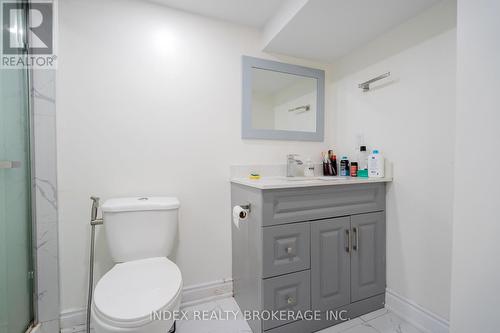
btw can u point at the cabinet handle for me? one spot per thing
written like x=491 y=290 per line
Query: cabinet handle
x=355 y=232
x=347 y=240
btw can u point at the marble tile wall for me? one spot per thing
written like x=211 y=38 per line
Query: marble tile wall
x=45 y=199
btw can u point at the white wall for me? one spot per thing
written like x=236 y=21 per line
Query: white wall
x=149 y=103
x=475 y=305
x=410 y=118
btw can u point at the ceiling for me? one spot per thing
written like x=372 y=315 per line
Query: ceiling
x=254 y=13
x=322 y=30
x=326 y=30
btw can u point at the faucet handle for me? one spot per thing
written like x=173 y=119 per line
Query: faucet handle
x=291 y=156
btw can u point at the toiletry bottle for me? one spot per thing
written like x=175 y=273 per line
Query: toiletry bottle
x=344 y=166
x=330 y=156
x=326 y=166
x=362 y=162
x=333 y=163
x=335 y=168
x=354 y=169
x=362 y=158
x=309 y=168
x=375 y=165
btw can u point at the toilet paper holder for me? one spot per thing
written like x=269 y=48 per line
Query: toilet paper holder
x=246 y=207
x=240 y=213
x=245 y=211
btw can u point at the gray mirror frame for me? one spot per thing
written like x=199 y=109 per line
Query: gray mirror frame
x=248 y=132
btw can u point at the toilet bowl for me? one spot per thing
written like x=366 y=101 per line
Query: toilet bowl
x=142 y=292
x=139 y=296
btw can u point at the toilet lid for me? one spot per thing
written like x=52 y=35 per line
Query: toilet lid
x=130 y=291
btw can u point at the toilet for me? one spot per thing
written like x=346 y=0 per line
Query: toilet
x=140 y=233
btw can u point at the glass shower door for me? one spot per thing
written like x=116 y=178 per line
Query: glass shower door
x=16 y=277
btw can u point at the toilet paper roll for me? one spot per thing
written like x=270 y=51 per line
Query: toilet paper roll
x=239 y=213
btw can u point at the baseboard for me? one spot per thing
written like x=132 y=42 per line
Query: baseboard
x=415 y=314
x=206 y=292
x=73 y=321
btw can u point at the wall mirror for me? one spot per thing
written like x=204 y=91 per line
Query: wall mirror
x=282 y=101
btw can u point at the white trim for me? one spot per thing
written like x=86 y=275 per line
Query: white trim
x=415 y=314
x=75 y=329
x=73 y=321
x=206 y=292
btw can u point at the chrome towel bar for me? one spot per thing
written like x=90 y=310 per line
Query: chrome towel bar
x=366 y=85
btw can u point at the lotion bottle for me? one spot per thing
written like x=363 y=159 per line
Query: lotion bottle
x=375 y=165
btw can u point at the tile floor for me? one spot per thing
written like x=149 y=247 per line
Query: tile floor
x=381 y=321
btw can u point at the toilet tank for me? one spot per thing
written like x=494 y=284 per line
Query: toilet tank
x=140 y=227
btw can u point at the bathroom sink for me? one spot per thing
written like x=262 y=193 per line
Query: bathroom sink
x=274 y=182
x=299 y=179
x=330 y=178
x=306 y=179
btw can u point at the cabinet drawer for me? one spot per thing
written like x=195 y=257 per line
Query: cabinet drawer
x=314 y=203
x=286 y=249
x=285 y=293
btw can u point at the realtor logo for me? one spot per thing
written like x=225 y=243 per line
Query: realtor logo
x=27 y=34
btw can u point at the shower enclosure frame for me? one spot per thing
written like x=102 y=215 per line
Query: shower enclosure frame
x=40 y=110
x=39 y=99
x=26 y=108
x=31 y=142
x=43 y=182
x=29 y=75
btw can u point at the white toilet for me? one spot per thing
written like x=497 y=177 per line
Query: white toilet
x=140 y=234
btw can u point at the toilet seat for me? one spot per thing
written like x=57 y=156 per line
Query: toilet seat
x=126 y=296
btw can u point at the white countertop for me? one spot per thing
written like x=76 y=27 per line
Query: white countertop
x=266 y=183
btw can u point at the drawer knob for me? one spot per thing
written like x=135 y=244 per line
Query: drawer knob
x=290 y=300
x=289 y=250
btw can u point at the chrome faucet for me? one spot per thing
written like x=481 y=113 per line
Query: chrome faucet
x=291 y=163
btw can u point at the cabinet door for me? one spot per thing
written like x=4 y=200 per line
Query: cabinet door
x=368 y=255
x=330 y=263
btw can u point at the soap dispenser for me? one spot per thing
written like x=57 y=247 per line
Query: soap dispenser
x=309 y=169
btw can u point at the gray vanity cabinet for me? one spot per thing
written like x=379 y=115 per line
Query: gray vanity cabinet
x=309 y=248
